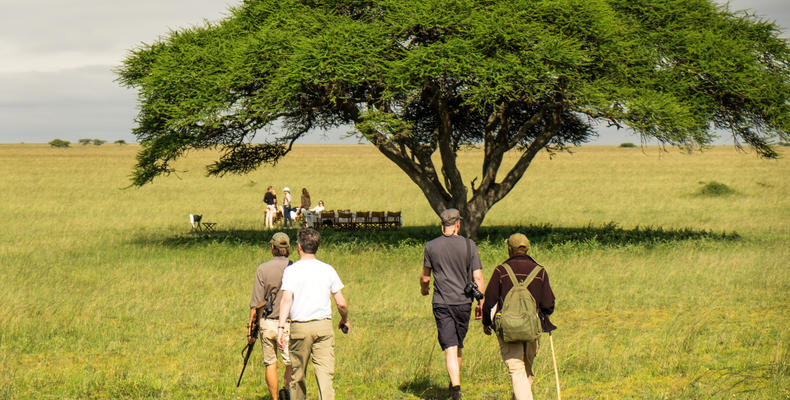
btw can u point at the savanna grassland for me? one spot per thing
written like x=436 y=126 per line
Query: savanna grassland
x=662 y=293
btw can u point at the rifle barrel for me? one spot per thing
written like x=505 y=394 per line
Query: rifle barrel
x=246 y=357
x=254 y=332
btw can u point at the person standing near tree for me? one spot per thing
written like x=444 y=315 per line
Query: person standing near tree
x=270 y=199
x=287 y=208
x=268 y=279
x=449 y=258
x=519 y=355
x=308 y=287
x=304 y=204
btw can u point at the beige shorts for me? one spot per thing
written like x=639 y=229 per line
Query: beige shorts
x=268 y=338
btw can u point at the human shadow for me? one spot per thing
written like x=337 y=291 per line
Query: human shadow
x=545 y=236
x=421 y=387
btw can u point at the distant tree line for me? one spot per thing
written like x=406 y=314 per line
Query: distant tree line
x=59 y=143
x=84 y=142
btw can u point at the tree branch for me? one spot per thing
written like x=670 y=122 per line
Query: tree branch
x=424 y=175
x=501 y=145
x=498 y=191
x=452 y=176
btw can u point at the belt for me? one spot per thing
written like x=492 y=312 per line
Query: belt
x=312 y=320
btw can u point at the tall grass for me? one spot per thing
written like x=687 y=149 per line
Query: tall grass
x=661 y=294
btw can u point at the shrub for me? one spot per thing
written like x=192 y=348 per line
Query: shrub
x=59 y=143
x=715 y=189
x=120 y=141
x=627 y=145
x=98 y=142
x=85 y=142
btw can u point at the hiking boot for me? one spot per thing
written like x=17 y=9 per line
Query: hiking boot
x=283 y=394
x=455 y=392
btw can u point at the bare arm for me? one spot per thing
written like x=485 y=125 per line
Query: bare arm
x=253 y=313
x=425 y=279
x=477 y=275
x=285 y=310
x=342 y=308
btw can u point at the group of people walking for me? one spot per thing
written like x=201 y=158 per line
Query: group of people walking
x=455 y=265
x=287 y=207
x=301 y=327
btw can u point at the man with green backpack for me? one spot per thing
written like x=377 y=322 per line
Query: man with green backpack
x=519 y=289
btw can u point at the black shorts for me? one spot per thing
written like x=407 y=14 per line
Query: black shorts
x=452 y=322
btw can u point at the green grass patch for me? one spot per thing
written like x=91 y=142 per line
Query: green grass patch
x=715 y=189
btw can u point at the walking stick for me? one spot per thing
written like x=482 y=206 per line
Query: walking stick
x=556 y=374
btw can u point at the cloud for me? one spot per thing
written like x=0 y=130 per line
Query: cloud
x=67 y=104
x=776 y=11
x=46 y=35
x=85 y=102
x=56 y=60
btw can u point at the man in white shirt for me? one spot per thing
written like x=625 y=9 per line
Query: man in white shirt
x=307 y=287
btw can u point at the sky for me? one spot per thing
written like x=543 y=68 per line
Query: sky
x=57 y=59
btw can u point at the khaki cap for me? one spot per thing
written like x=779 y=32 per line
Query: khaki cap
x=450 y=216
x=517 y=241
x=281 y=240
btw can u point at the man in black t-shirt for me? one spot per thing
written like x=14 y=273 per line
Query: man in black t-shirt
x=270 y=198
x=448 y=259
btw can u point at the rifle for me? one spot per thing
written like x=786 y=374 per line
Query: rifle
x=263 y=309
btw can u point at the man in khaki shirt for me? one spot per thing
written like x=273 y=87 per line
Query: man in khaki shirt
x=268 y=279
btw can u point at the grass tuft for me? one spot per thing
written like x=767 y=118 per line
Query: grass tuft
x=715 y=189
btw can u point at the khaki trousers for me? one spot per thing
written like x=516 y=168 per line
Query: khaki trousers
x=270 y=212
x=518 y=357
x=312 y=340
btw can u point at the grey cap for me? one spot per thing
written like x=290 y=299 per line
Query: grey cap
x=450 y=216
x=281 y=240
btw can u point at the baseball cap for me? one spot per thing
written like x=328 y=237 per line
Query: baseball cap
x=281 y=240
x=450 y=216
x=518 y=240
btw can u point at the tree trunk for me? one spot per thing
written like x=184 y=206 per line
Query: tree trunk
x=472 y=219
x=453 y=193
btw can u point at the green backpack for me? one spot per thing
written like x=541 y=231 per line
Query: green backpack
x=518 y=320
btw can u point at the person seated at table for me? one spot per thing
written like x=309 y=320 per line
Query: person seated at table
x=317 y=209
x=312 y=215
x=278 y=212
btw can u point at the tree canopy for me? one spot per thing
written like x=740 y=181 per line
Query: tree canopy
x=417 y=77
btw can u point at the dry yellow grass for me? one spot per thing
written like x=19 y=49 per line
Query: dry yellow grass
x=106 y=294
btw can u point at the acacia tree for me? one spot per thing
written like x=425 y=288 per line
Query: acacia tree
x=421 y=77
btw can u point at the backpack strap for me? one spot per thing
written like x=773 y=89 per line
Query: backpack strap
x=527 y=281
